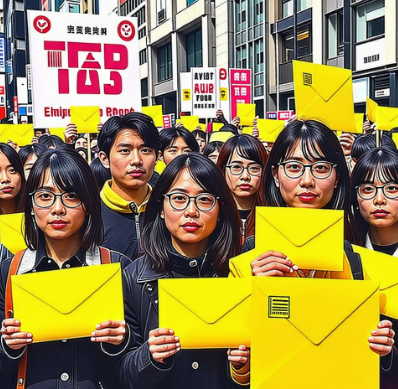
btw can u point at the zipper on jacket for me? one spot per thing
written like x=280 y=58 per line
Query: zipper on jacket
x=137 y=228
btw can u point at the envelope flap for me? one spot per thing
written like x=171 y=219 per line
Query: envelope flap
x=270 y=126
x=85 y=113
x=318 y=77
x=209 y=299
x=12 y=221
x=289 y=222
x=22 y=129
x=319 y=306
x=389 y=113
x=87 y=280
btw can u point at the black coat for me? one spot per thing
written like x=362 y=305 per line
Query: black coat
x=188 y=369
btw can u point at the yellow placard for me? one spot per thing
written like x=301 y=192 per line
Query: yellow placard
x=386 y=118
x=246 y=113
x=12 y=230
x=86 y=119
x=21 y=134
x=186 y=94
x=156 y=113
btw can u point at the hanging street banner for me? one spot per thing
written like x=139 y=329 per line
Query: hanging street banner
x=241 y=88
x=80 y=60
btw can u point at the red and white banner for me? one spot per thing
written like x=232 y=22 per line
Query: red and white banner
x=204 y=92
x=285 y=115
x=241 y=88
x=82 y=60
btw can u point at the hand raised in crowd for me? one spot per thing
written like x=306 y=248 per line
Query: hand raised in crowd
x=346 y=141
x=272 y=264
x=236 y=121
x=219 y=113
x=179 y=125
x=239 y=357
x=163 y=344
x=255 y=132
x=12 y=336
x=99 y=126
x=110 y=331
x=70 y=133
x=35 y=139
x=382 y=339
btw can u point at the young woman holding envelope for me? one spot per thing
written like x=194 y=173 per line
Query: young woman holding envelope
x=190 y=230
x=63 y=230
x=242 y=160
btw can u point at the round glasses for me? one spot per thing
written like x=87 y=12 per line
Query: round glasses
x=46 y=199
x=237 y=170
x=180 y=201
x=320 y=170
x=369 y=191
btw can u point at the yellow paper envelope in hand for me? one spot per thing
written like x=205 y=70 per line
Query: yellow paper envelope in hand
x=382 y=268
x=86 y=119
x=269 y=129
x=359 y=122
x=386 y=118
x=371 y=109
x=21 y=134
x=247 y=130
x=299 y=329
x=59 y=131
x=221 y=136
x=217 y=126
x=156 y=113
x=317 y=246
x=189 y=122
x=12 y=230
x=324 y=93
x=240 y=266
x=246 y=113
x=51 y=309
x=207 y=312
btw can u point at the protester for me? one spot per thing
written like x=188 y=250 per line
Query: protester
x=242 y=160
x=200 y=137
x=193 y=217
x=29 y=154
x=367 y=142
x=129 y=146
x=63 y=230
x=83 y=152
x=212 y=150
x=51 y=141
x=101 y=173
x=81 y=142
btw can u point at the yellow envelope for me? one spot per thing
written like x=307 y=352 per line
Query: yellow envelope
x=207 y=312
x=382 y=268
x=12 y=231
x=189 y=122
x=86 y=119
x=202 y=126
x=21 y=134
x=299 y=327
x=68 y=303
x=217 y=126
x=156 y=113
x=324 y=93
x=386 y=118
x=246 y=113
x=359 y=122
x=269 y=129
x=318 y=244
x=395 y=139
x=221 y=136
x=160 y=166
x=58 y=132
x=371 y=109
x=240 y=267
x=247 y=130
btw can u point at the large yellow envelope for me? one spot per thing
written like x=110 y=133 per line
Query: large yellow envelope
x=221 y=136
x=189 y=122
x=324 y=93
x=217 y=126
x=12 y=229
x=269 y=129
x=300 y=327
x=69 y=303
x=240 y=266
x=247 y=130
x=59 y=131
x=86 y=119
x=246 y=113
x=382 y=268
x=156 y=113
x=21 y=134
x=371 y=109
x=207 y=312
x=312 y=239
x=386 y=118
x=359 y=122
x=160 y=166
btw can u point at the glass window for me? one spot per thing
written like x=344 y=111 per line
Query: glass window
x=287 y=47
x=335 y=35
x=259 y=56
x=258 y=11
x=287 y=8
x=165 y=68
x=238 y=58
x=303 y=41
x=370 y=20
x=189 y=2
x=193 y=42
x=303 y=4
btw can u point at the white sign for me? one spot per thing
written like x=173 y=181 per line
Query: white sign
x=82 y=60
x=204 y=92
x=22 y=90
x=2 y=55
x=29 y=76
x=371 y=55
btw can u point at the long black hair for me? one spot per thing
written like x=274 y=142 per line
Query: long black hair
x=316 y=141
x=378 y=163
x=70 y=173
x=27 y=151
x=225 y=240
x=169 y=135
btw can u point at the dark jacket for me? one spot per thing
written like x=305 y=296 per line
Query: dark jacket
x=69 y=364
x=188 y=369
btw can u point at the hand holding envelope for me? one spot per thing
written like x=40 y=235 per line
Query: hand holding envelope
x=246 y=113
x=86 y=119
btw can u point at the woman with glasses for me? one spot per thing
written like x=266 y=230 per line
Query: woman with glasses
x=242 y=160
x=63 y=230
x=189 y=231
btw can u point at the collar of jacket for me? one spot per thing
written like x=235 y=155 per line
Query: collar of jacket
x=118 y=204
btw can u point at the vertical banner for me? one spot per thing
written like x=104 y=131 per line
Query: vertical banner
x=241 y=88
x=2 y=96
x=224 y=93
x=2 y=55
x=204 y=92
x=80 y=60
x=186 y=93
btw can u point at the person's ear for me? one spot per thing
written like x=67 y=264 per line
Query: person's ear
x=274 y=171
x=160 y=156
x=162 y=214
x=336 y=184
x=104 y=159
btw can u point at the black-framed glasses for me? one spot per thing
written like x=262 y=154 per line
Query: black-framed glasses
x=46 y=199
x=320 y=170
x=237 y=170
x=369 y=191
x=180 y=201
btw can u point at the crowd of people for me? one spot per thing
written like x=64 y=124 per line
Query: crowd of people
x=187 y=221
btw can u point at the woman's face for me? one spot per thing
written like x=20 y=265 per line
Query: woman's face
x=176 y=148
x=81 y=142
x=190 y=226
x=380 y=211
x=27 y=167
x=305 y=191
x=201 y=143
x=214 y=156
x=243 y=185
x=10 y=180
x=57 y=221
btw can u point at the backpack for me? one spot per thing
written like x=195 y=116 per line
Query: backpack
x=355 y=261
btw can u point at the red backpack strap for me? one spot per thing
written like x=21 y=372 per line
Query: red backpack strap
x=105 y=255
